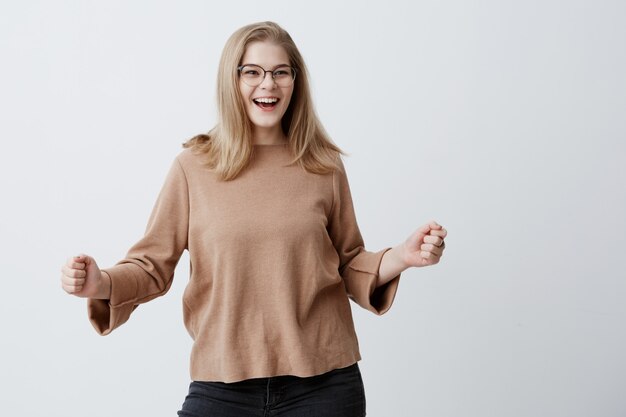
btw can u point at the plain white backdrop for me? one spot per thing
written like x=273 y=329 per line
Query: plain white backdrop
x=502 y=120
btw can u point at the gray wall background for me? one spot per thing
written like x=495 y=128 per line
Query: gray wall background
x=503 y=121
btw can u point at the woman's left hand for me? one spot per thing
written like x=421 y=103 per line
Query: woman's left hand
x=426 y=245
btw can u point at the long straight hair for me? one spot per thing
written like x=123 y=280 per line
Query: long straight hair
x=227 y=147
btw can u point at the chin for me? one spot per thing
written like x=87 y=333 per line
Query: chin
x=266 y=123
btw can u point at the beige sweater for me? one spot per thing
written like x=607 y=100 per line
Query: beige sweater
x=275 y=256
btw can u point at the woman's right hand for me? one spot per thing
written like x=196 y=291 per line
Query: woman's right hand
x=80 y=276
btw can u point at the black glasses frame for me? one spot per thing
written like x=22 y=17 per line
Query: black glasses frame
x=293 y=78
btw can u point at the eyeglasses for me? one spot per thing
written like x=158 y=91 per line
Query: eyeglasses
x=253 y=75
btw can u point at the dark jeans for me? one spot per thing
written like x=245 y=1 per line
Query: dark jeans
x=338 y=393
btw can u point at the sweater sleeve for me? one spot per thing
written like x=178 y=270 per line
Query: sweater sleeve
x=357 y=266
x=147 y=270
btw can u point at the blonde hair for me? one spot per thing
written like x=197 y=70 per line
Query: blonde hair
x=228 y=146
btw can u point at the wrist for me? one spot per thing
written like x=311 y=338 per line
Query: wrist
x=403 y=256
x=392 y=264
x=105 y=286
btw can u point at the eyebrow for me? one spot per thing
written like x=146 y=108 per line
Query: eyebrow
x=277 y=66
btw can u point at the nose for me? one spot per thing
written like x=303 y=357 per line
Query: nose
x=268 y=84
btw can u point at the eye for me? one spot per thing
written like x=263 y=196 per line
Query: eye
x=282 y=72
x=251 y=72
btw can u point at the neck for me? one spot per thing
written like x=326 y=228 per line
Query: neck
x=268 y=135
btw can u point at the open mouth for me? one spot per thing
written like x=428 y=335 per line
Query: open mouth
x=266 y=103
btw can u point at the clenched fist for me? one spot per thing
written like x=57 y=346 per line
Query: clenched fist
x=80 y=276
x=426 y=245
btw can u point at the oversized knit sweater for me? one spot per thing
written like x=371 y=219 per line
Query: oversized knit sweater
x=275 y=256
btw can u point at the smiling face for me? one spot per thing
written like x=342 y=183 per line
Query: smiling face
x=265 y=117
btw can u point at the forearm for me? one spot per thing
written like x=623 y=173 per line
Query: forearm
x=392 y=264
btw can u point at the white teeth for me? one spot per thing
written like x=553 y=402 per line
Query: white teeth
x=266 y=100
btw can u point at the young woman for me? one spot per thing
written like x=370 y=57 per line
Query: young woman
x=263 y=206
